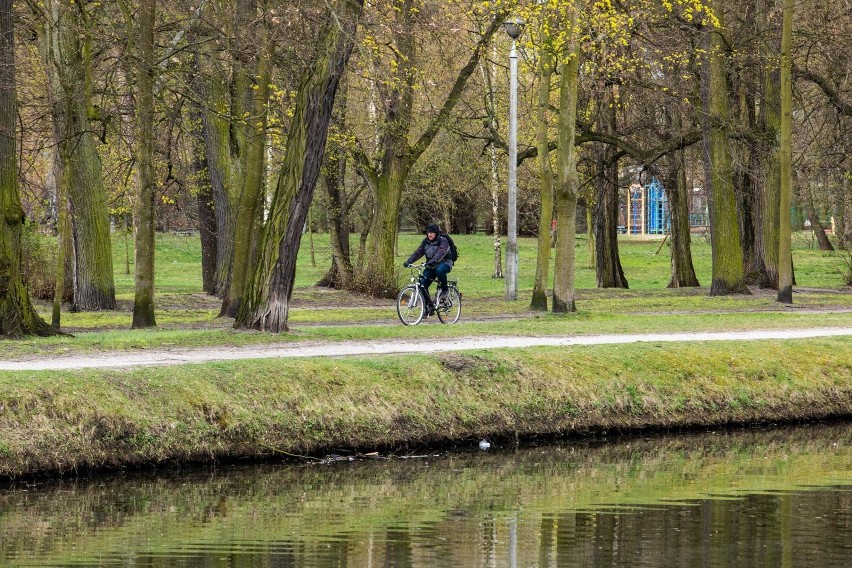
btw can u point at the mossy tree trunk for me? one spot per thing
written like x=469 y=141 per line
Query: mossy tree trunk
x=568 y=181
x=255 y=87
x=17 y=316
x=545 y=174
x=68 y=63
x=266 y=303
x=785 y=259
x=146 y=209
x=727 y=273
x=223 y=162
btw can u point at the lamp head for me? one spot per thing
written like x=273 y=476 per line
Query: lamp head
x=514 y=27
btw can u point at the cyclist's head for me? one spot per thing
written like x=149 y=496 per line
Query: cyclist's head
x=433 y=229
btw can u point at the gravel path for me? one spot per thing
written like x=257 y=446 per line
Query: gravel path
x=340 y=349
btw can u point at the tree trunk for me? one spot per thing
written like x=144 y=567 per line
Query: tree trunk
x=494 y=170
x=223 y=184
x=768 y=191
x=608 y=270
x=251 y=196
x=206 y=221
x=682 y=270
x=727 y=254
x=17 y=316
x=545 y=174
x=201 y=175
x=341 y=272
x=267 y=300
x=568 y=181
x=94 y=288
x=63 y=241
x=143 y=303
x=333 y=176
x=785 y=258
x=816 y=225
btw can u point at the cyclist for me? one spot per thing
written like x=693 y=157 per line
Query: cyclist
x=436 y=248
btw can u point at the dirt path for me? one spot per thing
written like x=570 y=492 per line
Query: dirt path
x=348 y=348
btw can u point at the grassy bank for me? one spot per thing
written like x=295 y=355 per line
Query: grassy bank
x=52 y=422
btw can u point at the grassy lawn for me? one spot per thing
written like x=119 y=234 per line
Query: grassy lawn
x=187 y=317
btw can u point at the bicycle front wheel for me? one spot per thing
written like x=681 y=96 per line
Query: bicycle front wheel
x=409 y=306
x=450 y=312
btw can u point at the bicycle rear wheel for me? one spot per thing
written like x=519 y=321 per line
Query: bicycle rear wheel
x=450 y=312
x=409 y=306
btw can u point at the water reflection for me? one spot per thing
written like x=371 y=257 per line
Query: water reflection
x=753 y=498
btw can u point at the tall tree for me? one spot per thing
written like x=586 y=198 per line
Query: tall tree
x=143 y=303
x=254 y=81
x=785 y=259
x=728 y=277
x=266 y=304
x=682 y=271
x=568 y=182
x=396 y=155
x=17 y=316
x=545 y=174
x=339 y=202
x=608 y=270
x=768 y=186
x=68 y=58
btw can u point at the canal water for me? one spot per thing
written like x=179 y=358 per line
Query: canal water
x=759 y=497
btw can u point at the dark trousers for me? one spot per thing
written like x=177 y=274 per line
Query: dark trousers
x=440 y=272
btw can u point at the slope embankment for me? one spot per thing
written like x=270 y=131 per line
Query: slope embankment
x=78 y=419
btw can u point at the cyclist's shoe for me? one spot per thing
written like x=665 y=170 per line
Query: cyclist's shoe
x=444 y=298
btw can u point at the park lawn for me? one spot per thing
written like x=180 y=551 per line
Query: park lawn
x=178 y=264
x=187 y=317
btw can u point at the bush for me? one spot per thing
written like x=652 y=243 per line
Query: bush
x=38 y=263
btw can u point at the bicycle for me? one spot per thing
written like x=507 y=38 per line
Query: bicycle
x=413 y=303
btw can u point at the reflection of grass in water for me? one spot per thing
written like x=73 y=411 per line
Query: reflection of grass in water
x=312 y=504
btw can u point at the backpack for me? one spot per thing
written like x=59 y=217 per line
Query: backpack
x=454 y=252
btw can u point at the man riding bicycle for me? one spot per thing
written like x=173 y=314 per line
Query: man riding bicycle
x=436 y=248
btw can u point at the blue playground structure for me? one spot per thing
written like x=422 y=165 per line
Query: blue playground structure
x=647 y=209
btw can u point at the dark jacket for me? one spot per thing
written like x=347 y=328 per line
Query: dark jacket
x=436 y=251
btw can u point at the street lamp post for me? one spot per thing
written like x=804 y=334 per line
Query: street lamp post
x=513 y=28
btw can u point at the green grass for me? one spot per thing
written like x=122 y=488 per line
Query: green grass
x=187 y=317
x=93 y=418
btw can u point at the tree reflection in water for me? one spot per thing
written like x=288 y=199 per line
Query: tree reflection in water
x=776 y=497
